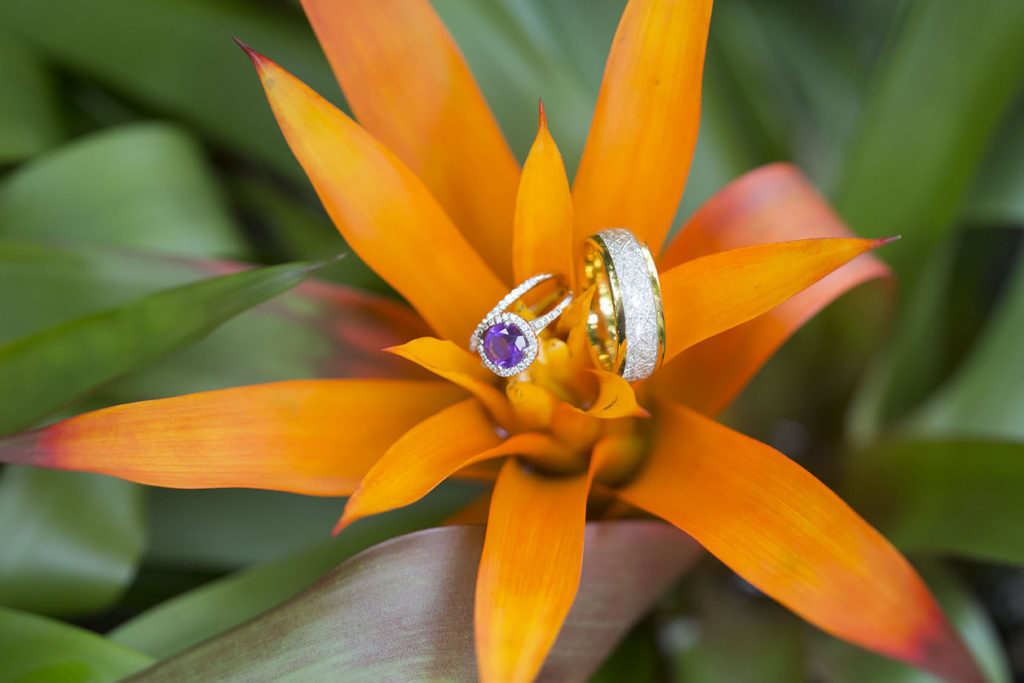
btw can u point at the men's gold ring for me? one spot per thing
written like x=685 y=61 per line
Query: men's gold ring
x=625 y=323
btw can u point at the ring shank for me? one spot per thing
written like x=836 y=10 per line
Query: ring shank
x=625 y=323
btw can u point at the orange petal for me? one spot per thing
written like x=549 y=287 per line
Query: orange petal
x=432 y=451
x=384 y=212
x=615 y=398
x=462 y=367
x=771 y=204
x=785 y=532
x=542 y=230
x=529 y=571
x=408 y=85
x=641 y=139
x=317 y=437
x=712 y=294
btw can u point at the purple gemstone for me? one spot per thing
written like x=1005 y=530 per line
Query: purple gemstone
x=504 y=345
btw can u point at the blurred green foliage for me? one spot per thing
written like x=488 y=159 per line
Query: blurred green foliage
x=134 y=140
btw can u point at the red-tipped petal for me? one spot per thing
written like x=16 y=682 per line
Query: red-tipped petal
x=771 y=204
x=383 y=210
x=709 y=295
x=785 y=532
x=409 y=86
x=317 y=437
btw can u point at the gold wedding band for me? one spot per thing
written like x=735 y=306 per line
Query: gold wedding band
x=625 y=324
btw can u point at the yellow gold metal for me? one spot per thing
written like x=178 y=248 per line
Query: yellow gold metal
x=606 y=320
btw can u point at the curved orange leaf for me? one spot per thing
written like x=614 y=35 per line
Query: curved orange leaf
x=409 y=86
x=771 y=204
x=432 y=451
x=455 y=364
x=641 y=139
x=382 y=209
x=529 y=570
x=785 y=532
x=542 y=229
x=316 y=437
x=712 y=294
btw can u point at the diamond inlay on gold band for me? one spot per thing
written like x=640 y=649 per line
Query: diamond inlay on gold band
x=625 y=323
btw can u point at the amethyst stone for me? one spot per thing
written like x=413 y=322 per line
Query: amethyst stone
x=504 y=345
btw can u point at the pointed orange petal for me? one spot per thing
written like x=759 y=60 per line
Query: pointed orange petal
x=529 y=571
x=455 y=364
x=711 y=294
x=317 y=437
x=542 y=230
x=432 y=451
x=615 y=398
x=770 y=204
x=785 y=532
x=384 y=212
x=641 y=139
x=409 y=86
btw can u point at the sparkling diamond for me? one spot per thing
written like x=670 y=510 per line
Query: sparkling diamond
x=505 y=345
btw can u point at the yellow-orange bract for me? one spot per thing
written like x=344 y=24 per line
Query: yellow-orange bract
x=425 y=189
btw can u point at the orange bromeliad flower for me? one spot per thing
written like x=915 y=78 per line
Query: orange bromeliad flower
x=426 y=191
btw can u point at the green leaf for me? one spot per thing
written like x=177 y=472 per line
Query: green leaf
x=71 y=541
x=833 y=661
x=228 y=529
x=732 y=635
x=29 y=117
x=314 y=330
x=43 y=371
x=142 y=185
x=517 y=53
x=959 y=498
x=403 y=611
x=983 y=400
x=177 y=57
x=939 y=96
x=998 y=197
x=204 y=612
x=943 y=323
x=37 y=649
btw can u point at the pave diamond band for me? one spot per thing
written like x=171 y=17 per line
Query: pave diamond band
x=625 y=323
x=507 y=342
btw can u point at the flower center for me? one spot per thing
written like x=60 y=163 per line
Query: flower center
x=504 y=345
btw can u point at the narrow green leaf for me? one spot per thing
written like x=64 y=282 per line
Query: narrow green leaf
x=983 y=400
x=29 y=116
x=43 y=371
x=69 y=541
x=141 y=185
x=833 y=661
x=940 y=95
x=998 y=196
x=177 y=56
x=204 y=612
x=314 y=330
x=961 y=498
x=37 y=649
x=403 y=611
